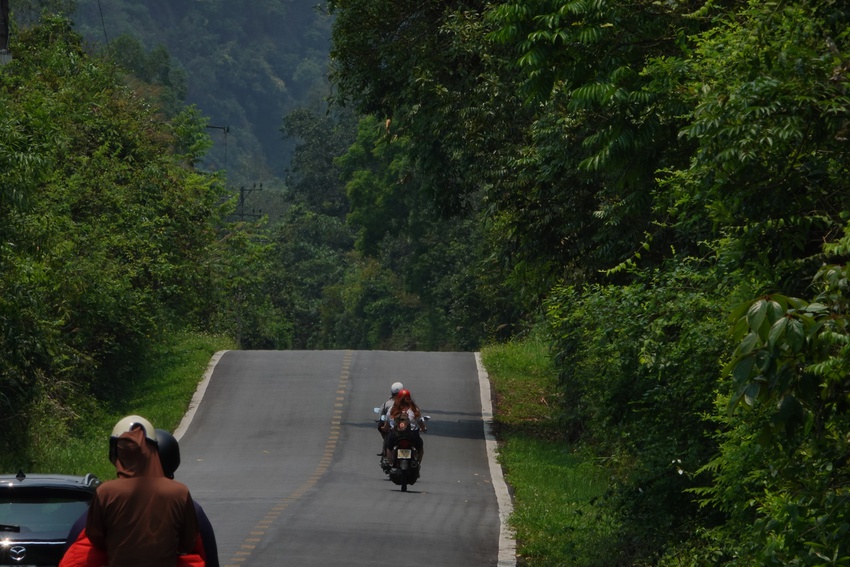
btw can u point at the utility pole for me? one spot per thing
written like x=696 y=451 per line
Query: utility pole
x=243 y=194
x=5 y=56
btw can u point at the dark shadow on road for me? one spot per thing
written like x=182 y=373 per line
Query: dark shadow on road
x=458 y=429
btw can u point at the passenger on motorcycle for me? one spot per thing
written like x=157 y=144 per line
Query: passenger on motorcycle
x=78 y=550
x=141 y=517
x=406 y=409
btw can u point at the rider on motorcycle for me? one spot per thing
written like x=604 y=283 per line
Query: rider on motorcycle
x=383 y=426
x=405 y=408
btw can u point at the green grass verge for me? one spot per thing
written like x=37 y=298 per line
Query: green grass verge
x=161 y=392
x=554 y=487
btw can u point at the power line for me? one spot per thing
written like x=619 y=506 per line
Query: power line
x=103 y=24
x=243 y=195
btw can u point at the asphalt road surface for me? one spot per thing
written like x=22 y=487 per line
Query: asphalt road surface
x=281 y=454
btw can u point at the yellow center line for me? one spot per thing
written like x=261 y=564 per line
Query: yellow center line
x=282 y=504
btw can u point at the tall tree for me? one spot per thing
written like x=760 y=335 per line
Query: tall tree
x=247 y=64
x=770 y=113
x=312 y=177
x=106 y=228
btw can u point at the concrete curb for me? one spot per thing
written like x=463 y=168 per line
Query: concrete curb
x=507 y=542
x=199 y=395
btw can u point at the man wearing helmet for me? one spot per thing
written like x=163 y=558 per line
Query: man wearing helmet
x=169 y=455
x=78 y=552
x=141 y=518
x=383 y=426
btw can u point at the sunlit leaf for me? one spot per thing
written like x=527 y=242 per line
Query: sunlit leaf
x=752 y=392
x=775 y=310
x=748 y=344
x=743 y=370
x=776 y=332
x=756 y=314
x=795 y=335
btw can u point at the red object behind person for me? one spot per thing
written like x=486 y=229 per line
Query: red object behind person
x=83 y=554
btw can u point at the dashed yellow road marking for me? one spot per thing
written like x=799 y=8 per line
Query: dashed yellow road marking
x=280 y=505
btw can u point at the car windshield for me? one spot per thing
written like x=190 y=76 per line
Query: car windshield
x=40 y=518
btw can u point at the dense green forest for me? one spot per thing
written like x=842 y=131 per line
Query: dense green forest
x=660 y=187
x=668 y=183
x=244 y=64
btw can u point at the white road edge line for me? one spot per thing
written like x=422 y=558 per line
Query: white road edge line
x=507 y=542
x=197 y=397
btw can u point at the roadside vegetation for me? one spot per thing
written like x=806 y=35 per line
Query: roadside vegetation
x=665 y=186
x=160 y=389
x=655 y=194
x=555 y=486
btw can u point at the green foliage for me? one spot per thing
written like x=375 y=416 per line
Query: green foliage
x=153 y=68
x=27 y=13
x=580 y=195
x=642 y=135
x=105 y=230
x=311 y=254
x=244 y=64
x=321 y=135
x=438 y=80
x=427 y=295
x=781 y=472
x=161 y=389
x=248 y=304
x=378 y=186
x=425 y=291
x=638 y=364
x=374 y=304
x=770 y=107
x=370 y=309
x=191 y=141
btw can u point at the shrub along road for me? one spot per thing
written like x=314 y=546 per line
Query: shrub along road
x=281 y=453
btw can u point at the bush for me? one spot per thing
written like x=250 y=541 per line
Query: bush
x=781 y=473
x=104 y=223
x=658 y=342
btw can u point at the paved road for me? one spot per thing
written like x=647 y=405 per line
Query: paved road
x=281 y=453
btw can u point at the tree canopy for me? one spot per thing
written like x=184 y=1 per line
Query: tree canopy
x=244 y=64
x=639 y=168
x=661 y=186
x=106 y=228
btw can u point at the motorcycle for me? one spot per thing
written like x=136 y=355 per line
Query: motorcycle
x=403 y=466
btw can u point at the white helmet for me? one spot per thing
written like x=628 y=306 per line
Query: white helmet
x=126 y=424
x=130 y=422
x=396 y=388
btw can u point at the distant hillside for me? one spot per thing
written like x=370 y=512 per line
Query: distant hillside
x=247 y=63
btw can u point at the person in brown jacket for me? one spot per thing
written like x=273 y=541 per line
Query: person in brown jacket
x=141 y=518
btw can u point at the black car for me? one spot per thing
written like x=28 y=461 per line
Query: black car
x=36 y=514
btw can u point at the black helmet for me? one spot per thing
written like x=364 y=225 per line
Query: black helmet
x=169 y=452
